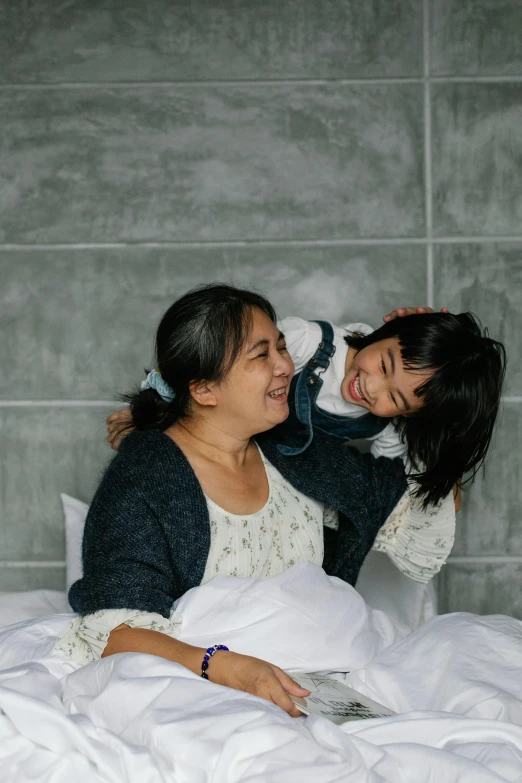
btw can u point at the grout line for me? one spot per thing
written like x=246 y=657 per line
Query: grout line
x=457 y=559
x=193 y=83
x=32 y=563
x=244 y=243
x=61 y=404
x=36 y=86
x=477 y=79
x=513 y=398
x=427 y=117
x=428 y=179
x=452 y=559
x=476 y=239
x=430 y=298
x=484 y=559
x=224 y=243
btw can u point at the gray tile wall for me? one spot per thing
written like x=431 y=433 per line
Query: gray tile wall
x=343 y=157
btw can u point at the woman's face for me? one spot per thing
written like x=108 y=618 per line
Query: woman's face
x=254 y=395
x=376 y=380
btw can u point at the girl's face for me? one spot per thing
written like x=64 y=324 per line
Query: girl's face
x=376 y=380
x=254 y=396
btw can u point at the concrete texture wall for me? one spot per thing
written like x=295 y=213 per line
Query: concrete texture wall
x=344 y=157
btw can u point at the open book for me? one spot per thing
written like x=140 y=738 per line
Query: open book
x=335 y=701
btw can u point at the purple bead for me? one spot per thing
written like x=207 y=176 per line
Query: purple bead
x=208 y=655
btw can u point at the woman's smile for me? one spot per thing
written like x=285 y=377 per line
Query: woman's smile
x=280 y=394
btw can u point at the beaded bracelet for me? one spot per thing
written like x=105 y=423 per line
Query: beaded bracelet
x=208 y=655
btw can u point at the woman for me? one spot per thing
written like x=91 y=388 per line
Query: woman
x=192 y=494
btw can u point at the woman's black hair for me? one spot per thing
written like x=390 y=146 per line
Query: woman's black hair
x=450 y=434
x=198 y=339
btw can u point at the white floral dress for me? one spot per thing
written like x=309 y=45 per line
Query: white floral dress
x=288 y=530
x=417 y=541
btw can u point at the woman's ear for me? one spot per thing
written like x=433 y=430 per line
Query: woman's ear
x=202 y=393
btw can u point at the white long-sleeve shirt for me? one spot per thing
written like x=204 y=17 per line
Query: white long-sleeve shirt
x=302 y=339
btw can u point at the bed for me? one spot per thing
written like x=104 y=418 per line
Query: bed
x=454 y=680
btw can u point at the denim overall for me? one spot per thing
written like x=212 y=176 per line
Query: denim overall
x=304 y=390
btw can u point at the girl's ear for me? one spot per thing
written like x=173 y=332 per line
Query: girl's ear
x=202 y=392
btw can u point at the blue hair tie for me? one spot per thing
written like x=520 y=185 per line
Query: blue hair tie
x=156 y=382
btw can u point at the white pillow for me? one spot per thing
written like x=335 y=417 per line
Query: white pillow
x=380 y=582
x=75 y=512
x=30 y=605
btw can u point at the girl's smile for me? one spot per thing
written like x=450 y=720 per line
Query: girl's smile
x=355 y=389
x=376 y=379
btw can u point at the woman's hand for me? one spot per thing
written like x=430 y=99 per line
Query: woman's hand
x=400 y=312
x=119 y=424
x=241 y=672
x=256 y=677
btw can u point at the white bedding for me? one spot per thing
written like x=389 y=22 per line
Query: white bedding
x=456 y=682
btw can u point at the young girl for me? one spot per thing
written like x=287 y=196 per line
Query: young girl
x=425 y=385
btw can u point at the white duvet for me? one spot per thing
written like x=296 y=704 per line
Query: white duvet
x=456 y=682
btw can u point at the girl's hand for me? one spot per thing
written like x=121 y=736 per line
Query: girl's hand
x=400 y=312
x=119 y=424
x=256 y=677
x=457 y=495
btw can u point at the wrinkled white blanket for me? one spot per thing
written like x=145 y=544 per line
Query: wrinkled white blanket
x=457 y=682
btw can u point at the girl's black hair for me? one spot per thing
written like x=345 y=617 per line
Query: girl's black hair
x=198 y=338
x=450 y=434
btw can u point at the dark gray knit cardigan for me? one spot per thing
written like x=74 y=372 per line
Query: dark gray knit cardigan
x=147 y=534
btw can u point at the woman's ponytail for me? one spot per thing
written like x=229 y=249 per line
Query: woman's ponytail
x=150 y=412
